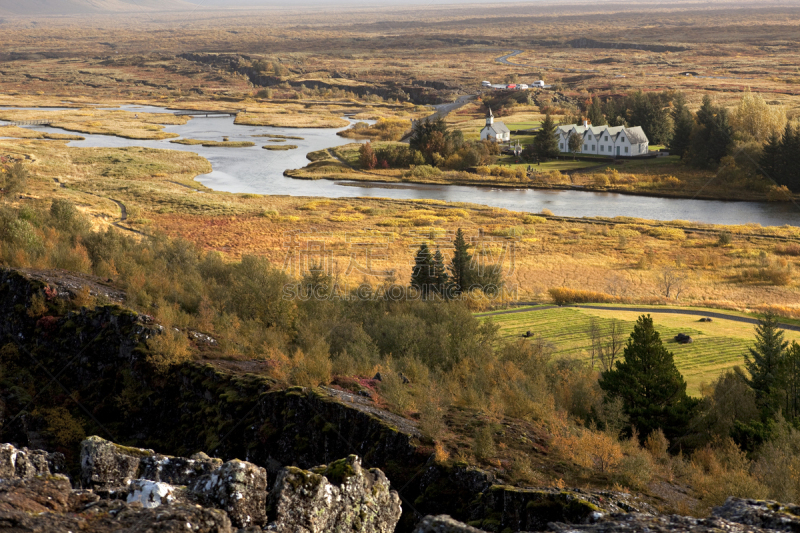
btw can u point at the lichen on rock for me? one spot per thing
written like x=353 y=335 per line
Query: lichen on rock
x=239 y=488
x=352 y=499
x=24 y=463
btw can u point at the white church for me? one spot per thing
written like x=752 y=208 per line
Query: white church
x=495 y=131
x=605 y=140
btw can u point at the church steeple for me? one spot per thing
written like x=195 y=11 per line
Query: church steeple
x=489 y=118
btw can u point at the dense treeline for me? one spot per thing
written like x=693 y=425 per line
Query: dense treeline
x=431 y=143
x=753 y=145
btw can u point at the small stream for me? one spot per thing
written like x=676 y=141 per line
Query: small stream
x=255 y=170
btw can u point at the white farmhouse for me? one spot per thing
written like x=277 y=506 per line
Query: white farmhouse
x=605 y=140
x=495 y=131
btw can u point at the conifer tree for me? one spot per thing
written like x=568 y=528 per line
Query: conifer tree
x=683 y=125
x=595 y=113
x=460 y=264
x=440 y=277
x=790 y=380
x=787 y=171
x=763 y=362
x=651 y=388
x=713 y=137
x=423 y=273
x=545 y=142
x=771 y=157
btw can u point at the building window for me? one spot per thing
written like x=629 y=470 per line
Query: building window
x=592 y=148
x=585 y=146
x=601 y=147
x=561 y=146
x=606 y=138
x=609 y=149
x=626 y=149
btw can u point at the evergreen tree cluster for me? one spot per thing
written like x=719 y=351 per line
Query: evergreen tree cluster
x=780 y=160
x=433 y=279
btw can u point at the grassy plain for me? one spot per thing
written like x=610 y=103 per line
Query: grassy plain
x=717 y=346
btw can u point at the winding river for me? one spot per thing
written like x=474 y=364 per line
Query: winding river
x=255 y=170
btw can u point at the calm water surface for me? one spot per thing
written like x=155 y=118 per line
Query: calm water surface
x=255 y=170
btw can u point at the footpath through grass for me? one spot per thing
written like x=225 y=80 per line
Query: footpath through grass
x=718 y=345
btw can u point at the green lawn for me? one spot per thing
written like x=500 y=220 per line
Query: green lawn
x=523 y=125
x=508 y=160
x=631 y=164
x=656 y=147
x=718 y=345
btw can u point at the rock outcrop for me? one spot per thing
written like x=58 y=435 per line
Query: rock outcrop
x=109 y=466
x=150 y=479
x=24 y=463
x=338 y=497
x=49 y=504
x=502 y=507
x=760 y=514
x=735 y=516
x=443 y=524
x=238 y=487
x=639 y=522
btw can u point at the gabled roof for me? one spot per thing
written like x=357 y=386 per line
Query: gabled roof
x=497 y=127
x=635 y=134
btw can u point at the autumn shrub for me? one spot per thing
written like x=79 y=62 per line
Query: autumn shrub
x=720 y=470
x=312 y=368
x=423 y=171
x=601 y=180
x=636 y=468
x=397 y=394
x=667 y=234
x=589 y=448
x=167 y=349
x=483 y=445
x=533 y=219
x=565 y=296
x=37 y=306
x=779 y=194
x=777 y=464
x=792 y=249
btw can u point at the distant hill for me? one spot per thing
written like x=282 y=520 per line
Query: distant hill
x=85 y=7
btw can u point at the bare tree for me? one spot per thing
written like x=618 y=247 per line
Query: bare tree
x=595 y=340
x=574 y=143
x=606 y=342
x=672 y=281
x=612 y=345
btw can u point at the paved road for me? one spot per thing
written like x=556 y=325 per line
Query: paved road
x=710 y=314
x=442 y=110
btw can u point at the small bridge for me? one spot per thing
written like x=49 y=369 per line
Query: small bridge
x=27 y=123
x=206 y=113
